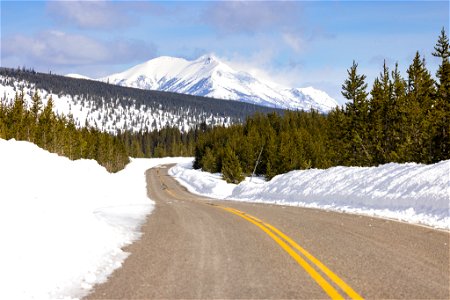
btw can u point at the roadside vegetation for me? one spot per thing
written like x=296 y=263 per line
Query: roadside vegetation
x=59 y=134
x=398 y=120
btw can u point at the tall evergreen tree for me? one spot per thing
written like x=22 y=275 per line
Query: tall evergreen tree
x=421 y=93
x=18 y=117
x=36 y=106
x=397 y=115
x=441 y=112
x=45 y=125
x=2 y=118
x=337 y=129
x=381 y=97
x=357 y=137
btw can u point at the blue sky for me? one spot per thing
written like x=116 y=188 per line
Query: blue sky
x=295 y=43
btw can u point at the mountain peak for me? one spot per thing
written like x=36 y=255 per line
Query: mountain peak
x=210 y=77
x=208 y=59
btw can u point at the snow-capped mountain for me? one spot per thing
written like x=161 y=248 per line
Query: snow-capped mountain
x=208 y=76
x=112 y=108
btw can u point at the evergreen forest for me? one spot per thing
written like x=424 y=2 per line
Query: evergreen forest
x=101 y=94
x=58 y=134
x=398 y=120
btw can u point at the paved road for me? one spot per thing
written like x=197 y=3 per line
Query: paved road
x=193 y=249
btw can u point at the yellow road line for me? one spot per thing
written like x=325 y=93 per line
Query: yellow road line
x=336 y=279
x=273 y=232
x=327 y=287
x=270 y=230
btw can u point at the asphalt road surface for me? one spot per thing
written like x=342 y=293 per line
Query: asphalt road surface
x=195 y=247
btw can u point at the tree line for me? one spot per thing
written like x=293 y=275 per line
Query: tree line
x=38 y=124
x=58 y=134
x=398 y=120
x=168 y=141
x=97 y=93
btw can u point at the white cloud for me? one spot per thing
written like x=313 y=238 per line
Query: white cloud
x=88 y=14
x=261 y=65
x=57 y=48
x=251 y=16
x=293 y=41
x=102 y=14
x=257 y=64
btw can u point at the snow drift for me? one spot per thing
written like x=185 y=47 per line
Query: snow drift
x=409 y=192
x=63 y=223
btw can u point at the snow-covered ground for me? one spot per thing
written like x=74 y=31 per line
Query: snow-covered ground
x=112 y=115
x=409 y=192
x=63 y=223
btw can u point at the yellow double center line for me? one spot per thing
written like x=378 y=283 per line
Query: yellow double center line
x=289 y=245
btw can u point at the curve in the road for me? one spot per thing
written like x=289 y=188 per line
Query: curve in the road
x=192 y=249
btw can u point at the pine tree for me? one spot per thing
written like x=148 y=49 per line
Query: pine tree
x=379 y=121
x=231 y=168
x=420 y=99
x=269 y=158
x=36 y=105
x=35 y=109
x=357 y=137
x=71 y=138
x=45 y=126
x=441 y=111
x=2 y=119
x=209 y=163
x=18 y=118
x=397 y=116
x=291 y=152
x=337 y=130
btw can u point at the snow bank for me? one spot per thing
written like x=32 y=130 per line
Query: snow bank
x=63 y=223
x=409 y=192
x=203 y=183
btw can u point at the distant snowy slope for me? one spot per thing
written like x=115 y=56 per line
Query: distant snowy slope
x=209 y=76
x=113 y=114
x=318 y=96
x=152 y=74
x=409 y=192
x=63 y=223
x=78 y=76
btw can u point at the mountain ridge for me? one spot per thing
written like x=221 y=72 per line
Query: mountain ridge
x=114 y=108
x=208 y=76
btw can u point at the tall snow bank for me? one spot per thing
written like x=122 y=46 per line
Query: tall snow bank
x=409 y=192
x=63 y=223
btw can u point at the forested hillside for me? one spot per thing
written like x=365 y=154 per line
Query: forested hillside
x=106 y=122
x=40 y=125
x=398 y=120
x=114 y=108
x=58 y=134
